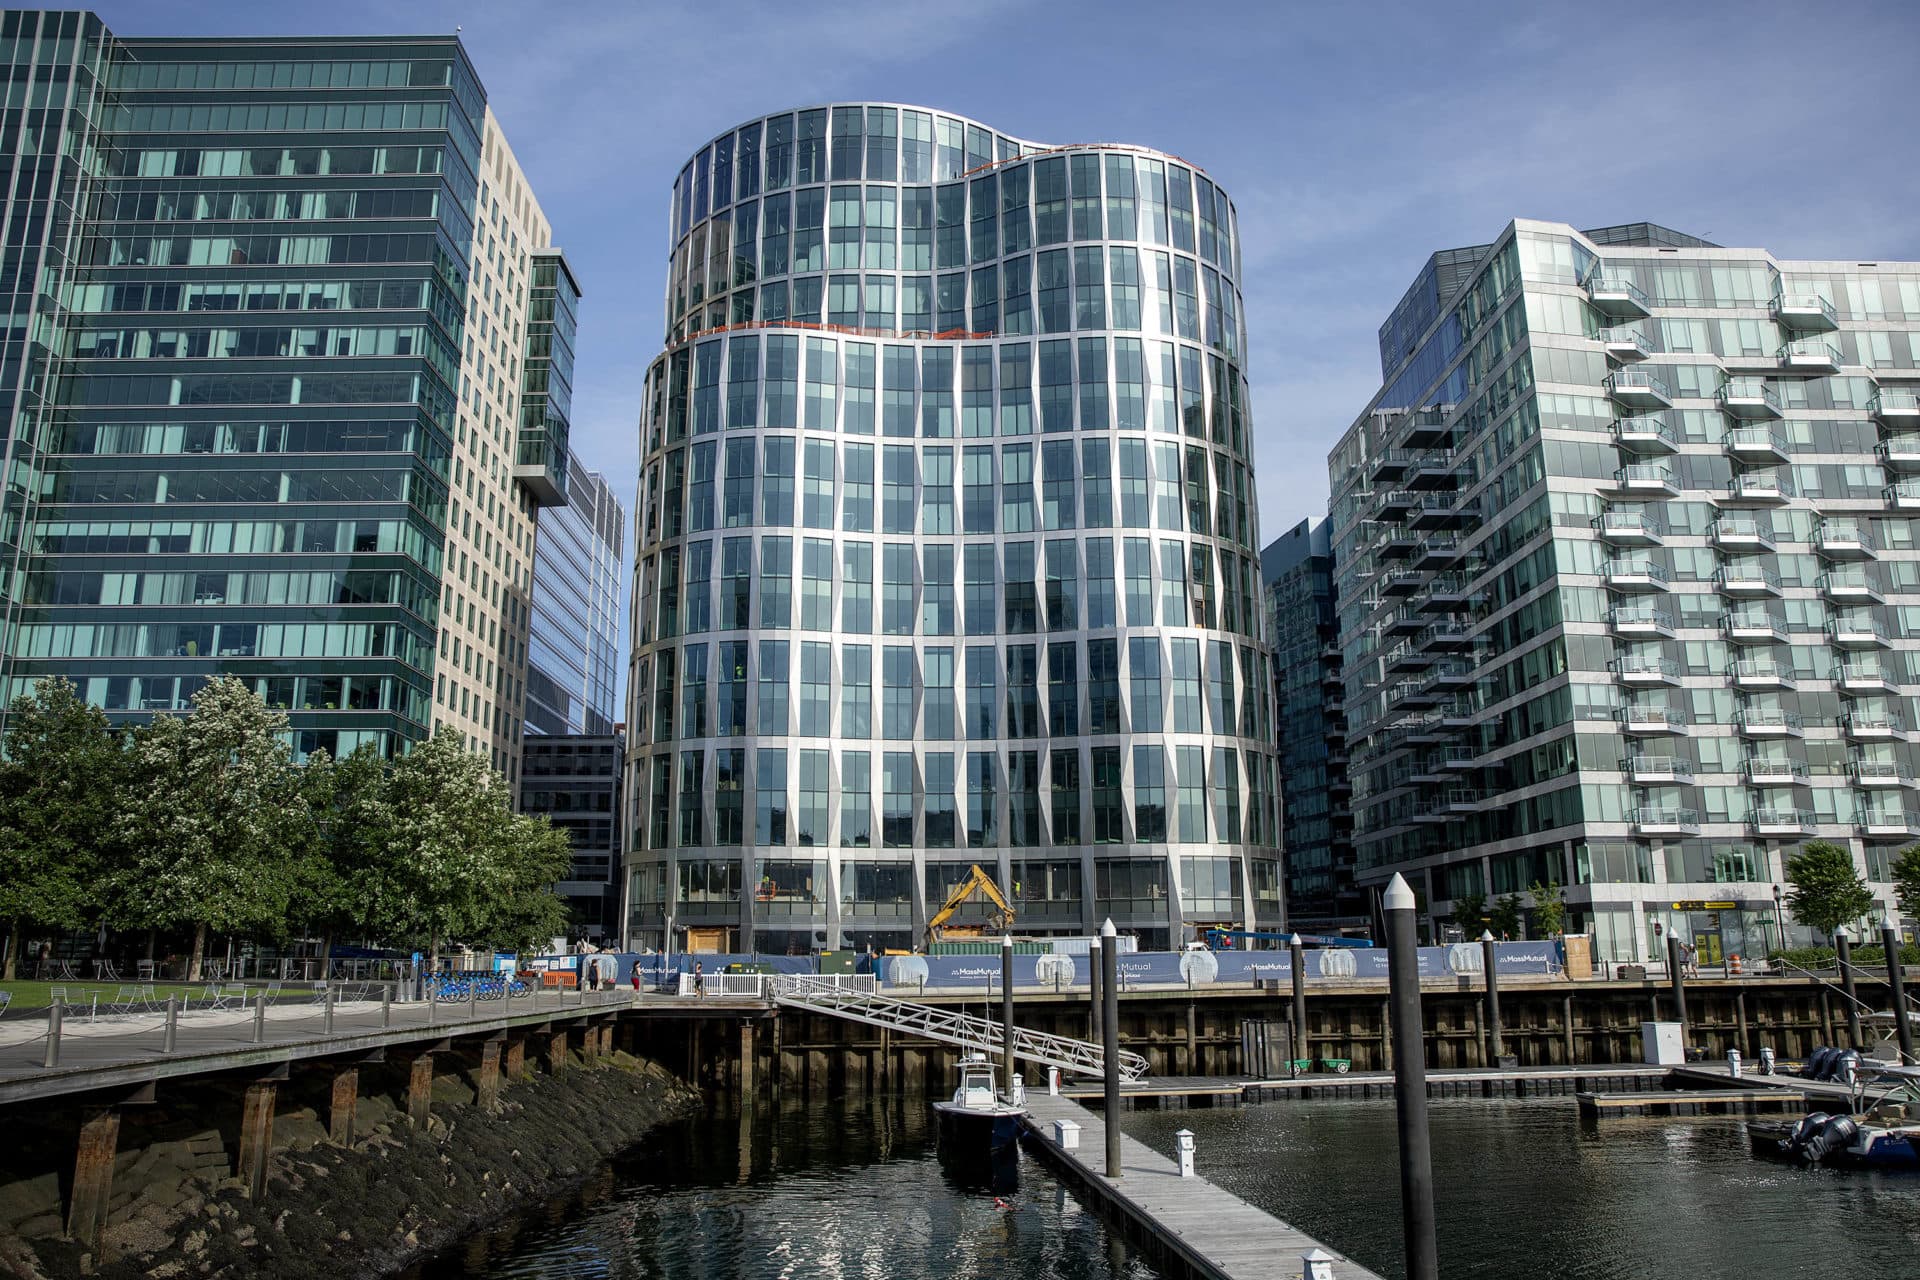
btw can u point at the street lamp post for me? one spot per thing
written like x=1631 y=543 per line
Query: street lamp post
x=1779 y=922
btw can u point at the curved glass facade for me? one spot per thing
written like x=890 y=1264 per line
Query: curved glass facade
x=947 y=544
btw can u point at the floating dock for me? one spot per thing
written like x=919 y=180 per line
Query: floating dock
x=1191 y=1226
x=1689 y=1102
x=1522 y=1082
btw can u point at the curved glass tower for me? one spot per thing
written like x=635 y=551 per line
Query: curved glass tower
x=947 y=551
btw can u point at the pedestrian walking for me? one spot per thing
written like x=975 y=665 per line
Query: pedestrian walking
x=699 y=980
x=636 y=978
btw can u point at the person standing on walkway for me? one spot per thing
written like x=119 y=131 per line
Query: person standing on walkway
x=699 y=980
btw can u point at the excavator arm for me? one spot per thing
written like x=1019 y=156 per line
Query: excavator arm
x=977 y=882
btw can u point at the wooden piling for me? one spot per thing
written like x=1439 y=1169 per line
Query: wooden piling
x=256 y=1136
x=93 y=1176
x=556 y=1051
x=486 y=1081
x=515 y=1064
x=342 y=1104
x=420 y=1089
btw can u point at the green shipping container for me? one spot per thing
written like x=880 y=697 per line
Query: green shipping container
x=838 y=961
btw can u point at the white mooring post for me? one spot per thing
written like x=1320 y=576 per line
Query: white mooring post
x=1053 y=1082
x=1183 y=1148
x=1067 y=1135
x=1316 y=1264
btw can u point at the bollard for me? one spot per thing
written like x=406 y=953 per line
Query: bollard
x=1491 y=963
x=326 y=1020
x=1297 y=961
x=260 y=1019
x=1067 y=1135
x=1843 y=955
x=1766 y=1059
x=433 y=1012
x=55 y=1014
x=1316 y=1264
x=386 y=1006
x=1110 y=1038
x=1733 y=1063
x=1006 y=1012
x=1053 y=1082
x=173 y=1024
x=1183 y=1150
x=1410 y=1082
x=1897 y=979
x=473 y=1001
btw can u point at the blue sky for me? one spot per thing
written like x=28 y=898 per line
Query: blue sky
x=1354 y=138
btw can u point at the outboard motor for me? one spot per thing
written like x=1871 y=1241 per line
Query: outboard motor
x=1804 y=1131
x=1766 y=1059
x=1846 y=1067
x=1815 y=1067
x=1834 y=1135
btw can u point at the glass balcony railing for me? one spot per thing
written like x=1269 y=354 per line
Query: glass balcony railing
x=1804 y=311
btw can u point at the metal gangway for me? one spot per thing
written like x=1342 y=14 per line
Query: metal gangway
x=949 y=1026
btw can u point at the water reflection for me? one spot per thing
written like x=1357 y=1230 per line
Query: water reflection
x=832 y=1191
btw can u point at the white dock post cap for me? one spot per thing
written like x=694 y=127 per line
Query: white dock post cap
x=1486 y=935
x=1294 y=941
x=1006 y=942
x=1399 y=895
x=1316 y=1264
x=1107 y=930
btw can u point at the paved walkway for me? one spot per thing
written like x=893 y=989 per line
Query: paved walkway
x=1214 y=1232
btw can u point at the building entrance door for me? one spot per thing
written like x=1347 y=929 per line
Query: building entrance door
x=1706 y=939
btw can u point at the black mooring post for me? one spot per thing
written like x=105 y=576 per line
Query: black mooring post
x=1110 y=1039
x=1496 y=1045
x=1843 y=953
x=1897 y=979
x=1298 y=1049
x=1093 y=989
x=1410 y=1083
x=1676 y=973
x=1006 y=1013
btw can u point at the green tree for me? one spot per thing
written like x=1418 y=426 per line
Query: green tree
x=1549 y=909
x=1826 y=891
x=331 y=868
x=1906 y=880
x=458 y=862
x=1470 y=913
x=214 y=810
x=60 y=784
x=1504 y=918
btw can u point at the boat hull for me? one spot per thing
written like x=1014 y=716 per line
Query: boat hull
x=1890 y=1151
x=977 y=1129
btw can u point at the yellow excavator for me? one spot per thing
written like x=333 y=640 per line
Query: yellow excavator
x=977 y=882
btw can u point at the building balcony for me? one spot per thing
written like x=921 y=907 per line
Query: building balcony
x=1401 y=582
x=1749 y=398
x=1396 y=504
x=1903 y=495
x=1408 y=657
x=1631 y=527
x=1889 y=825
x=1451 y=677
x=1661 y=821
x=1450 y=635
x=540 y=459
x=1762 y=772
x=1427 y=772
x=1746 y=581
x=1657 y=769
x=1849 y=586
x=1768 y=722
x=1900 y=453
x=1757 y=487
x=1646 y=434
x=1838 y=538
x=1639 y=621
x=1634 y=575
x=1646 y=480
x=1878 y=774
x=1405 y=621
x=1437 y=511
x=1639 y=672
x=1780 y=822
x=1438 y=552
x=1759 y=673
x=1618 y=299
x=1810 y=355
x=1857 y=631
x=1426 y=427
x=1624 y=345
x=1458 y=716
x=1756 y=446
x=1450 y=595
x=1433 y=471
x=1873 y=726
x=1865 y=677
x=1398 y=545
x=1460 y=801
x=1741 y=533
x=1754 y=626
x=1456 y=759
x=1642 y=722
x=1804 y=313
x=1425 y=731
x=1637 y=389
x=1896 y=408
x=1392 y=465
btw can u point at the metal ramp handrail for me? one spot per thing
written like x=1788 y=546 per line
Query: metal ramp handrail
x=1835 y=987
x=948 y=1026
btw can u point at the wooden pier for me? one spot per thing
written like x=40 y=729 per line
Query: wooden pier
x=1190 y=1225
x=1516 y=1082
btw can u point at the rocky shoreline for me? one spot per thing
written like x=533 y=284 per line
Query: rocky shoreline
x=397 y=1196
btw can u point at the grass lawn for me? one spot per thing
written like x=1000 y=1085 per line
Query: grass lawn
x=38 y=995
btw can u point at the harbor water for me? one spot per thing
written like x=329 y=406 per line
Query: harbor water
x=1528 y=1191
x=830 y=1190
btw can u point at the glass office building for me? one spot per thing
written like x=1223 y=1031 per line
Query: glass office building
x=1627 y=581
x=1317 y=827
x=578 y=564
x=268 y=308
x=575 y=780
x=946 y=544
